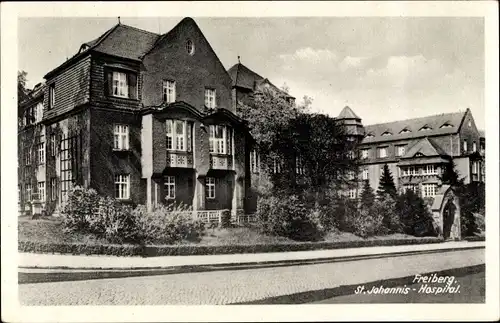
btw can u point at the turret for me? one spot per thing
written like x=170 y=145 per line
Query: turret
x=352 y=123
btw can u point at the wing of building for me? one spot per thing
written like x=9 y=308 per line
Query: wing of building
x=142 y=117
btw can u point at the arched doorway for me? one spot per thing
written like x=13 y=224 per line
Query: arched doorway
x=448 y=218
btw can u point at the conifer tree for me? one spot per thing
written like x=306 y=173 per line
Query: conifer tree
x=386 y=185
x=367 y=196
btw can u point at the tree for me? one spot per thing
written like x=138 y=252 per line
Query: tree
x=386 y=185
x=450 y=176
x=367 y=196
x=22 y=92
x=412 y=212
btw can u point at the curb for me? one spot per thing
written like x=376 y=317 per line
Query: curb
x=64 y=273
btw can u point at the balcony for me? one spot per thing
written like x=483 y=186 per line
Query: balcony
x=223 y=162
x=181 y=159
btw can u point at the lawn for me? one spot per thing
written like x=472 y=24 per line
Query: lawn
x=50 y=230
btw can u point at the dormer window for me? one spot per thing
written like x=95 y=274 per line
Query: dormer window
x=387 y=133
x=84 y=48
x=368 y=136
x=446 y=125
x=405 y=130
x=425 y=128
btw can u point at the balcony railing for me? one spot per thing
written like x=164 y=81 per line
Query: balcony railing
x=179 y=159
x=216 y=216
x=224 y=162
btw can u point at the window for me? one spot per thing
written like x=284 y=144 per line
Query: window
x=446 y=125
x=52 y=95
x=41 y=191
x=120 y=84
x=210 y=187
x=409 y=171
x=277 y=165
x=27 y=156
x=28 y=192
x=430 y=169
x=169 y=91
x=474 y=167
x=190 y=47
x=400 y=151
x=53 y=189
x=179 y=134
x=38 y=112
x=53 y=145
x=210 y=98
x=405 y=130
x=350 y=175
x=364 y=153
x=121 y=137
x=425 y=128
x=429 y=190
x=67 y=159
x=465 y=145
x=368 y=136
x=411 y=187
x=474 y=146
x=469 y=124
x=169 y=187
x=254 y=161
x=352 y=193
x=387 y=133
x=299 y=166
x=382 y=152
x=122 y=187
x=220 y=139
x=365 y=174
x=41 y=153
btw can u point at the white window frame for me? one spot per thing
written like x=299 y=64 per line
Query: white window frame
x=122 y=186
x=380 y=150
x=169 y=185
x=474 y=146
x=299 y=166
x=29 y=192
x=429 y=190
x=120 y=84
x=254 y=161
x=352 y=193
x=222 y=145
x=178 y=141
x=41 y=153
x=41 y=191
x=210 y=187
x=168 y=91
x=430 y=169
x=411 y=187
x=475 y=168
x=465 y=145
x=121 y=137
x=400 y=150
x=53 y=189
x=210 y=98
x=52 y=95
x=365 y=153
x=365 y=174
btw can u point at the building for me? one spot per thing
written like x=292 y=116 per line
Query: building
x=417 y=150
x=142 y=117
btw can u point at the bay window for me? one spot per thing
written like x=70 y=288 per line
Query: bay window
x=430 y=170
x=429 y=190
x=179 y=134
x=220 y=140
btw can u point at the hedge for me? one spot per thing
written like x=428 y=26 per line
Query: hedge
x=185 y=250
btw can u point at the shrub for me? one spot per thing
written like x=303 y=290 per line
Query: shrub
x=287 y=216
x=167 y=224
x=385 y=206
x=80 y=209
x=415 y=217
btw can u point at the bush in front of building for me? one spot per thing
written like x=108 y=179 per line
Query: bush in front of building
x=104 y=217
x=414 y=215
x=167 y=224
x=288 y=216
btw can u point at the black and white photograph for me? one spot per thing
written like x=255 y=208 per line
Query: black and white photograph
x=274 y=156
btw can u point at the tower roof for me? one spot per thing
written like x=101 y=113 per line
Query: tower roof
x=347 y=113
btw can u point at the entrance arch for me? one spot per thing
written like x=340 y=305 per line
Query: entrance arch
x=446 y=213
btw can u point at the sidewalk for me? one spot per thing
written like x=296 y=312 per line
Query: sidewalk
x=57 y=261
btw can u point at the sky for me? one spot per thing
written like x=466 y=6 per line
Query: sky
x=384 y=68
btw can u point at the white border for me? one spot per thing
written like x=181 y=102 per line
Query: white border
x=12 y=311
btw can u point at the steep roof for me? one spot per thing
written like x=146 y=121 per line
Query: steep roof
x=426 y=147
x=347 y=113
x=125 y=41
x=244 y=77
x=434 y=123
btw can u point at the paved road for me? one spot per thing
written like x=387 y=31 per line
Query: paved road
x=239 y=286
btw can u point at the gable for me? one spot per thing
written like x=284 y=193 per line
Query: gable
x=192 y=72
